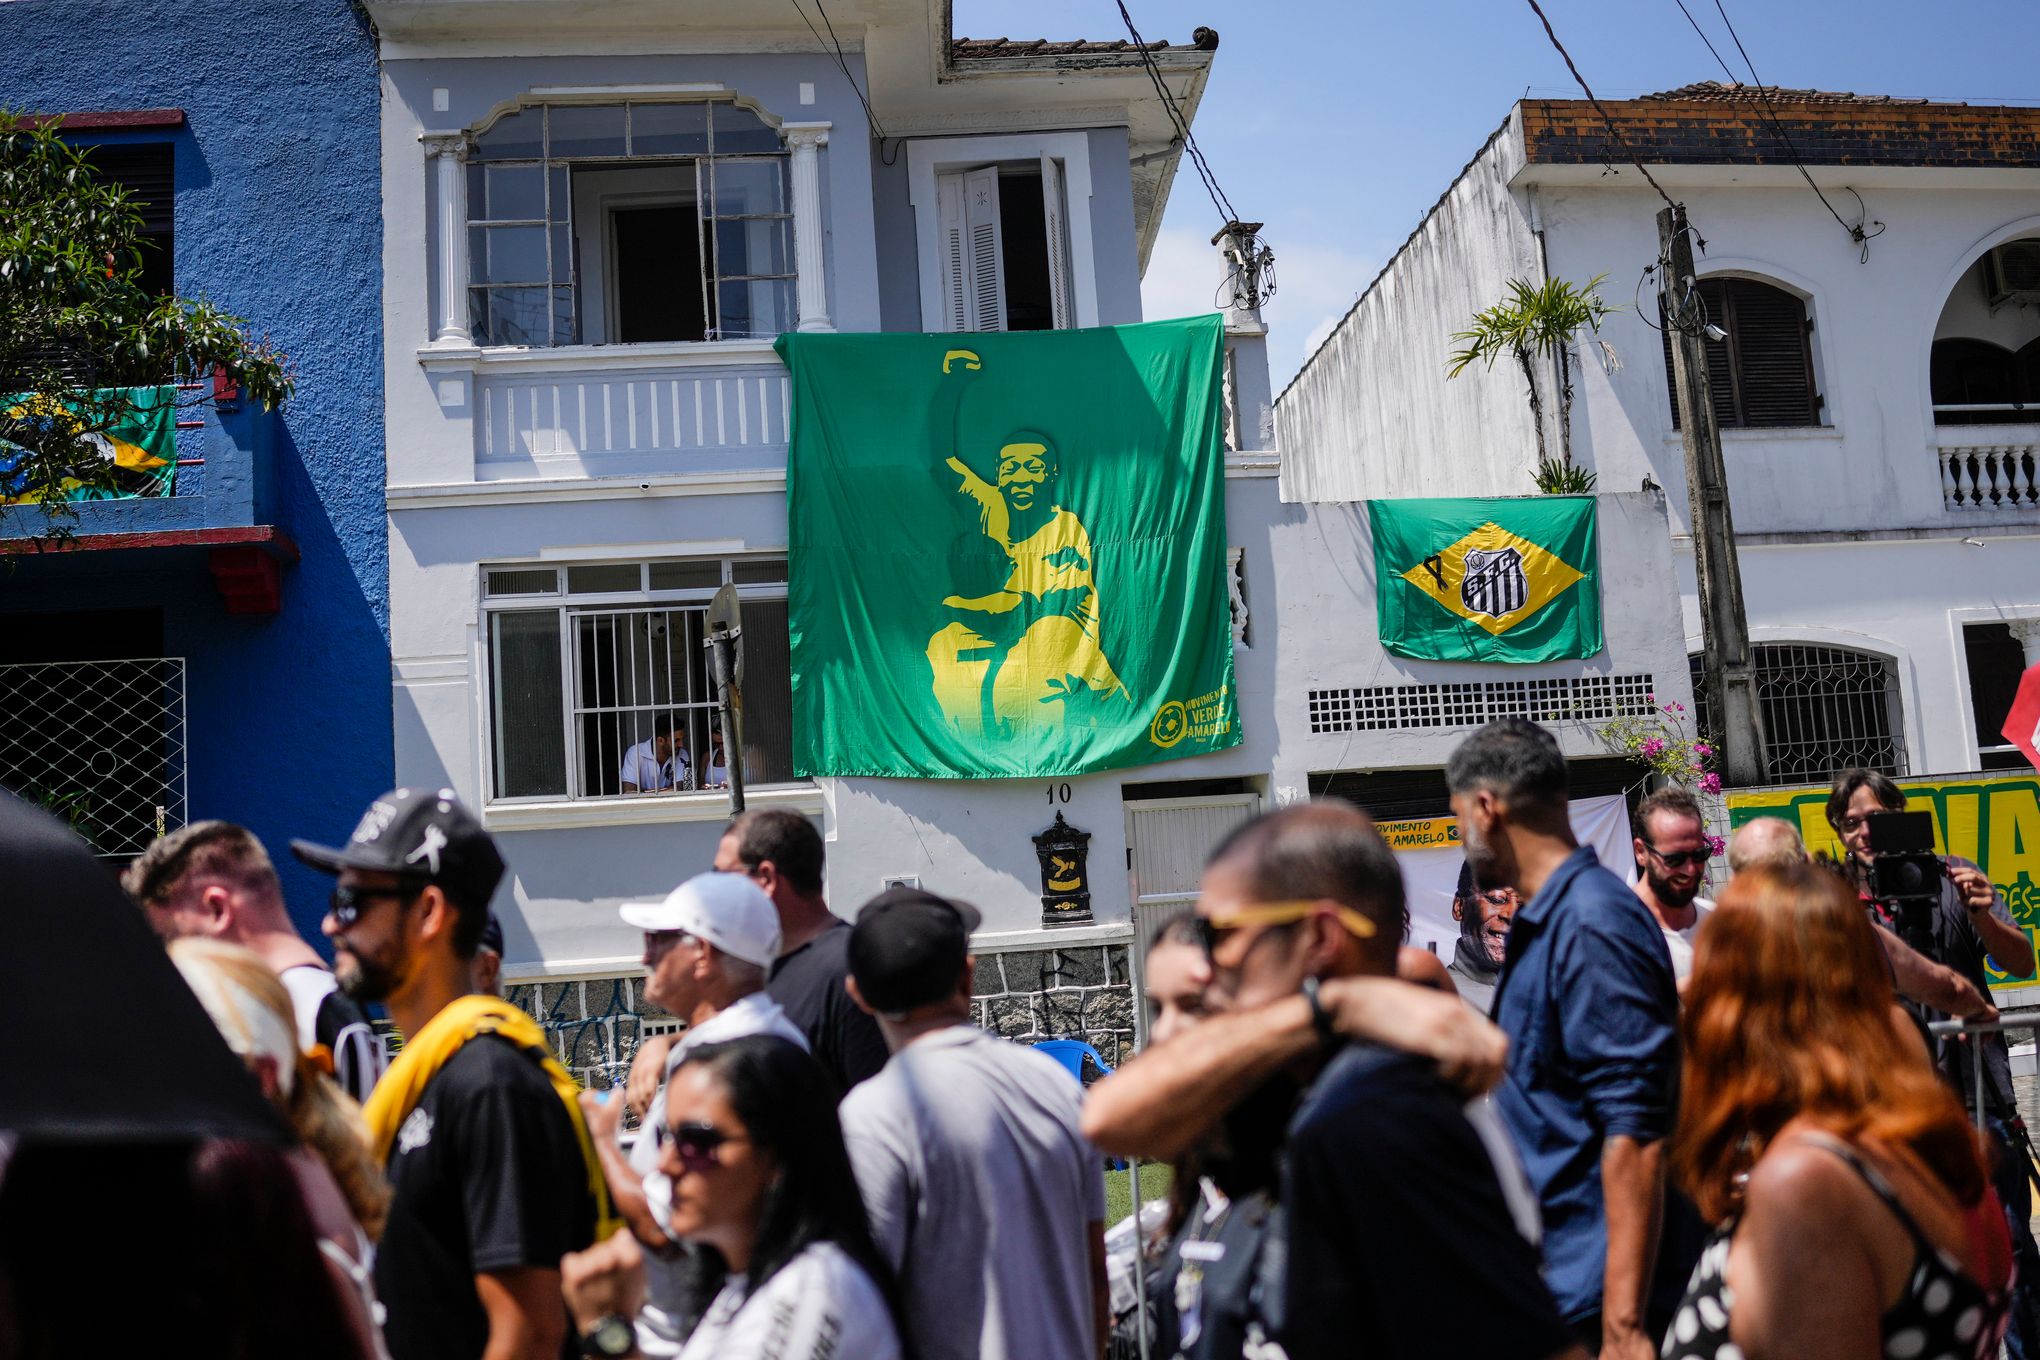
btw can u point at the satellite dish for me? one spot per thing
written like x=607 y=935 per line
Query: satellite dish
x=726 y=616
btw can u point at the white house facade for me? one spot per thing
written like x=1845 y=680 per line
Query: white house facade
x=587 y=256
x=1878 y=388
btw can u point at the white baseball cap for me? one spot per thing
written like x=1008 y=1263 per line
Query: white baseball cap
x=728 y=910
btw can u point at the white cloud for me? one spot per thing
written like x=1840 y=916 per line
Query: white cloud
x=1316 y=285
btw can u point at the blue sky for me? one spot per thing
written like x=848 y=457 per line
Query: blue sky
x=1339 y=124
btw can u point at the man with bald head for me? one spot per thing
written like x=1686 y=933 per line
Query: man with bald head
x=1767 y=842
x=1770 y=841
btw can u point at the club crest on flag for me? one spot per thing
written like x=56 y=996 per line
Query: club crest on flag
x=1493 y=578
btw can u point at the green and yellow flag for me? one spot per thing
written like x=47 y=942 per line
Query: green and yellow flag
x=1511 y=579
x=140 y=449
x=1007 y=551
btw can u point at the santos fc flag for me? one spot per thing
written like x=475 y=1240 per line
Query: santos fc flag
x=1512 y=579
x=1007 y=551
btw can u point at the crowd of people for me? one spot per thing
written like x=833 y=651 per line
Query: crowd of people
x=1620 y=1121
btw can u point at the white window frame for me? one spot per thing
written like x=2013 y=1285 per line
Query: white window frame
x=665 y=806
x=597 y=241
x=930 y=158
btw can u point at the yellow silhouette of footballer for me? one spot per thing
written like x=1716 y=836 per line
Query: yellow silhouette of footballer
x=1014 y=656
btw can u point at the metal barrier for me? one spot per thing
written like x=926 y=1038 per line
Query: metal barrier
x=1943 y=1028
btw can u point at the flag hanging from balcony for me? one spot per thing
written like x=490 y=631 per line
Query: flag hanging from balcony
x=1007 y=551
x=1515 y=579
x=137 y=441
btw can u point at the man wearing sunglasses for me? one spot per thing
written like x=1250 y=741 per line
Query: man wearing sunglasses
x=1672 y=851
x=492 y=1175
x=708 y=946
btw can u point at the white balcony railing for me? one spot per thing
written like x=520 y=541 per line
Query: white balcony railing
x=1989 y=467
x=613 y=410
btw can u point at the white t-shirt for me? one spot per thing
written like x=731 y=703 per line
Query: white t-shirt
x=667 y=1281
x=818 y=1306
x=1680 y=942
x=642 y=767
x=981 y=1191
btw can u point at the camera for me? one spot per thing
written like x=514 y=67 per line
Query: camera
x=1905 y=873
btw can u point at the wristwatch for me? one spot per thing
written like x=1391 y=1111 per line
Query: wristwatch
x=611 y=1338
x=1320 y=1018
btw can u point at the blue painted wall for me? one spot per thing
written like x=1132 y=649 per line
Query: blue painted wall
x=279 y=219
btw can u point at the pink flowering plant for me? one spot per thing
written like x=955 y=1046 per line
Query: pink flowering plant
x=1662 y=739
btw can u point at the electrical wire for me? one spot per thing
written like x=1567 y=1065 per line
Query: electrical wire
x=1613 y=131
x=870 y=117
x=1857 y=232
x=1195 y=152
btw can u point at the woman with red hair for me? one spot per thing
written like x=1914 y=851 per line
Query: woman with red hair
x=1855 y=1218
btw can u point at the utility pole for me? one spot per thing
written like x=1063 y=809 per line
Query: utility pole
x=1724 y=626
x=725 y=644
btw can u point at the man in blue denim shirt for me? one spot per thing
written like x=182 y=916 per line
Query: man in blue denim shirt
x=1587 y=999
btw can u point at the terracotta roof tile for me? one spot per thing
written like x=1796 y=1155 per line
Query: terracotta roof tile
x=1715 y=92
x=964 y=49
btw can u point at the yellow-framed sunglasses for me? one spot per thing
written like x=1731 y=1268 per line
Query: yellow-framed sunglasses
x=1213 y=929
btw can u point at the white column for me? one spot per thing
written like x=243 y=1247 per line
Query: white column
x=805 y=141
x=2027 y=631
x=449 y=151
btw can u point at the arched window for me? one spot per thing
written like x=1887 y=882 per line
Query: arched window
x=1761 y=375
x=613 y=223
x=1824 y=708
x=1971 y=373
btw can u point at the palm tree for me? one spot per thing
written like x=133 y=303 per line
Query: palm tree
x=1539 y=320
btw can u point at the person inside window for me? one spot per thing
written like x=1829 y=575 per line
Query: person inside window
x=659 y=764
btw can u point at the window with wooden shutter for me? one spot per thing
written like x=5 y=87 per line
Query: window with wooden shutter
x=1004 y=238
x=983 y=248
x=1761 y=374
x=146 y=170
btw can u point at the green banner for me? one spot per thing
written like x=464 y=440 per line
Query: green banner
x=1992 y=820
x=1007 y=551
x=140 y=447
x=1514 y=579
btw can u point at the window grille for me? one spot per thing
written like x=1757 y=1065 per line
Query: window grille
x=1565 y=699
x=101 y=744
x=1825 y=709
x=575 y=684
x=525 y=286
x=1761 y=374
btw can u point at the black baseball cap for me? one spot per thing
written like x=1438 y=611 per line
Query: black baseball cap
x=492 y=935
x=423 y=834
x=908 y=946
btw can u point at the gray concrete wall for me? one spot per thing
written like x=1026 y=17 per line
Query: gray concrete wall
x=1373 y=413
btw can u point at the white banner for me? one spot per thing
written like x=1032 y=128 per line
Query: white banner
x=1428 y=850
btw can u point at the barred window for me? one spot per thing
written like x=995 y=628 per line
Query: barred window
x=1761 y=374
x=590 y=662
x=1825 y=709
x=617 y=223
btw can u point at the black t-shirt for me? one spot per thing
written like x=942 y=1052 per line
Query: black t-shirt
x=486 y=1175
x=808 y=985
x=343 y=1028
x=1958 y=944
x=1399 y=1240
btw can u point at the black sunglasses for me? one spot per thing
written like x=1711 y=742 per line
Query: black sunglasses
x=1679 y=860
x=348 y=905
x=696 y=1142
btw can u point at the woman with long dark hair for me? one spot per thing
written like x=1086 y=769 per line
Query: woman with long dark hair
x=759 y=1173
x=1854 y=1215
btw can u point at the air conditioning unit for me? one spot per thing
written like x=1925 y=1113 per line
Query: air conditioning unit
x=2011 y=273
